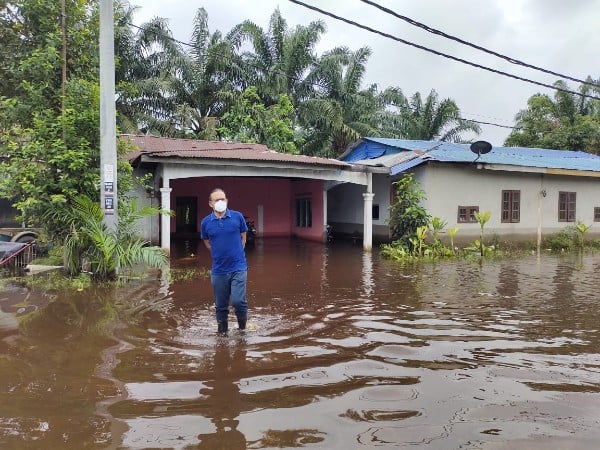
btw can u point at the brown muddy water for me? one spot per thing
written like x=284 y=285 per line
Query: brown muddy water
x=345 y=350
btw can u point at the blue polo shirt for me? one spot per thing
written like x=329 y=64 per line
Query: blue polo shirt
x=225 y=242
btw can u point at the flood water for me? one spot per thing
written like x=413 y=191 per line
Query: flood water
x=344 y=350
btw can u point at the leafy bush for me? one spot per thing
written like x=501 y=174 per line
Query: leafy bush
x=406 y=212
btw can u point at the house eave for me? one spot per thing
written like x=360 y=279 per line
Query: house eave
x=241 y=163
x=543 y=170
x=189 y=168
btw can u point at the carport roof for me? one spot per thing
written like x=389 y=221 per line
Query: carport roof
x=163 y=147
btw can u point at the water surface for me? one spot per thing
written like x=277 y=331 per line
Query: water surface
x=344 y=350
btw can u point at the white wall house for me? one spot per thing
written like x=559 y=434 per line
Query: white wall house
x=529 y=192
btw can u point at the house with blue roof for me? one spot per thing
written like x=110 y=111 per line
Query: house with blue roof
x=530 y=192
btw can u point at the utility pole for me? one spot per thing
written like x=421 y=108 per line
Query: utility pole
x=108 y=126
x=63 y=54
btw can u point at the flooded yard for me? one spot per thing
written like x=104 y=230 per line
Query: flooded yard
x=344 y=350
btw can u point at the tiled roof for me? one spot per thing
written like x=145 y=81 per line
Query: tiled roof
x=375 y=149
x=162 y=147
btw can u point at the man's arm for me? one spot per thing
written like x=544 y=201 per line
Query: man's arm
x=207 y=244
x=243 y=235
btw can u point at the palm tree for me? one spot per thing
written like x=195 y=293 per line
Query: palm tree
x=429 y=120
x=175 y=91
x=565 y=122
x=280 y=59
x=107 y=252
x=340 y=112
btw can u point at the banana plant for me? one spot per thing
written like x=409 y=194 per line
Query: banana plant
x=421 y=236
x=452 y=232
x=581 y=229
x=482 y=218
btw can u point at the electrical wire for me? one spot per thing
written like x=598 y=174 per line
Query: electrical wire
x=435 y=52
x=475 y=46
x=187 y=44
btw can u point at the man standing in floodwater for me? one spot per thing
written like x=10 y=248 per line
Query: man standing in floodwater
x=224 y=234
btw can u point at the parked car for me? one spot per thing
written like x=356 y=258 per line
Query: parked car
x=21 y=235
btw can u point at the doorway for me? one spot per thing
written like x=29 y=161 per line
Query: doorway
x=186 y=215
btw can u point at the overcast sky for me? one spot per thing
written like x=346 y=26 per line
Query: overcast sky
x=558 y=35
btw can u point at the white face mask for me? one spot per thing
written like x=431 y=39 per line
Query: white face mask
x=220 y=206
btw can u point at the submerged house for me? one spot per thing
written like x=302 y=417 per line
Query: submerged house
x=285 y=195
x=530 y=192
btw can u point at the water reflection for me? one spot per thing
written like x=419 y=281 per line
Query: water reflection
x=345 y=350
x=368 y=284
x=224 y=402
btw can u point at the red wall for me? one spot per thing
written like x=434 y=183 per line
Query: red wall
x=303 y=188
x=245 y=194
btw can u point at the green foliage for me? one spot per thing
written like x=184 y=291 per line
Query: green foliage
x=281 y=57
x=396 y=251
x=482 y=218
x=561 y=241
x=436 y=225
x=416 y=246
x=406 y=212
x=414 y=118
x=174 y=91
x=252 y=121
x=568 y=239
x=105 y=253
x=565 y=122
x=479 y=248
x=55 y=281
x=49 y=163
x=30 y=54
x=339 y=111
x=580 y=231
x=451 y=233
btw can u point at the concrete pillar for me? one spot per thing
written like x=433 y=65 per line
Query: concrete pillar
x=368 y=221
x=108 y=126
x=165 y=221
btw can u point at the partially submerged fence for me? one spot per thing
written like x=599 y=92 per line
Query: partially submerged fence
x=15 y=256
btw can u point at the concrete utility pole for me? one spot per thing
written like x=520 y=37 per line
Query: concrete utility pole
x=108 y=126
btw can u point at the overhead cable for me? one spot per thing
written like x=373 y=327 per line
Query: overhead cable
x=187 y=44
x=435 y=52
x=475 y=46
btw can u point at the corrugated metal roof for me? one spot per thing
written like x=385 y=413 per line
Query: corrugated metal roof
x=406 y=165
x=389 y=160
x=461 y=153
x=161 y=147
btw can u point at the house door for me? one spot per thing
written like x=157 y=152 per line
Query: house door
x=186 y=215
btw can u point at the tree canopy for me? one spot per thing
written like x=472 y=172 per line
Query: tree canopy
x=563 y=122
x=268 y=86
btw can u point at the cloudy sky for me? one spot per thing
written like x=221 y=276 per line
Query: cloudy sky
x=562 y=36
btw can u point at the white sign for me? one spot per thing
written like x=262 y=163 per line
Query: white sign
x=109 y=173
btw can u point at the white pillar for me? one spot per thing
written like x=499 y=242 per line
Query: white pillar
x=325 y=218
x=368 y=221
x=165 y=221
x=368 y=215
x=541 y=196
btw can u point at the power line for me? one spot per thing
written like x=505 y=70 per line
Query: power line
x=475 y=46
x=494 y=124
x=187 y=44
x=435 y=52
